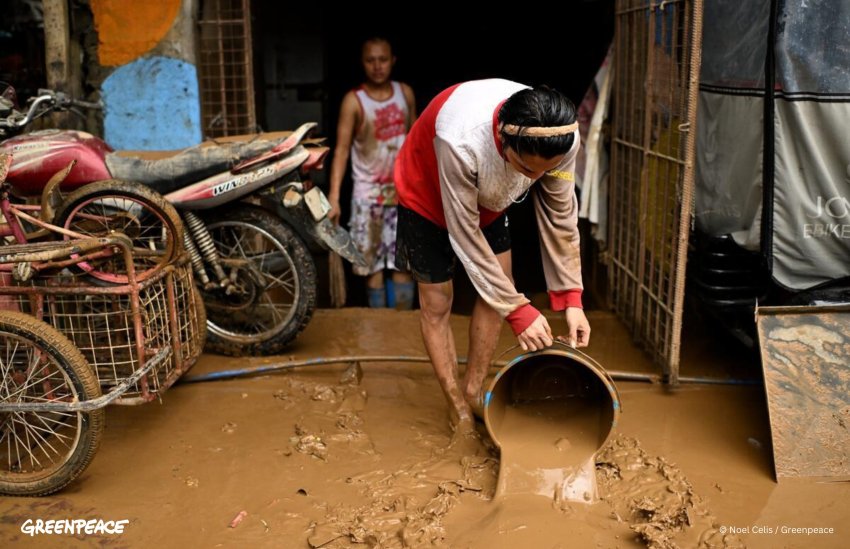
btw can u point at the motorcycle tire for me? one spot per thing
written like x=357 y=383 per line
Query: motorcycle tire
x=279 y=281
x=155 y=228
x=57 y=445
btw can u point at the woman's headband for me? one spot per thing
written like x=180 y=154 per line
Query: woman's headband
x=533 y=131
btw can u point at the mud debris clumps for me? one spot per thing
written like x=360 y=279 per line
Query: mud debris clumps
x=406 y=508
x=307 y=443
x=317 y=432
x=440 y=491
x=656 y=499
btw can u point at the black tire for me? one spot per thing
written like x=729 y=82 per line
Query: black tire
x=231 y=320
x=158 y=215
x=65 y=375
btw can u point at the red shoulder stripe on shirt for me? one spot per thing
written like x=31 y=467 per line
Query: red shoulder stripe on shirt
x=416 y=174
x=496 y=137
x=416 y=177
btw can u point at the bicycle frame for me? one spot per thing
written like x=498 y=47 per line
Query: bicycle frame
x=13 y=213
x=147 y=359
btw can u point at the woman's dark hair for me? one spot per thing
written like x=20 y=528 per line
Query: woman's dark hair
x=538 y=107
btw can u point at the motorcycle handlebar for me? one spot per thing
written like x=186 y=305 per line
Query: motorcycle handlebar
x=35 y=106
x=85 y=104
x=61 y=100
x=47 y=100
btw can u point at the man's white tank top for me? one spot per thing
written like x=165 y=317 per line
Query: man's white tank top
x=379 y=137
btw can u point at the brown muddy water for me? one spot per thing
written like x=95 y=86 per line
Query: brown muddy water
x=318 y=458
x=549 y=413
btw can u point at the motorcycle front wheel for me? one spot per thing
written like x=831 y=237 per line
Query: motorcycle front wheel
x=274 y=279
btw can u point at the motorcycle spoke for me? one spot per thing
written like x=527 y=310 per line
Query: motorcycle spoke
x=231 y=250
x=289 y=286
x=273 y=307
x=224 y=250
x=262 y=256
x=267 y=278
x=240 y=248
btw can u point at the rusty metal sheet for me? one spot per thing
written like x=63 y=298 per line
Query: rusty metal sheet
x=806 y=359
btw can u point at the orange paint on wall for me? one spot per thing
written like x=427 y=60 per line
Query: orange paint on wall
x=128 y=30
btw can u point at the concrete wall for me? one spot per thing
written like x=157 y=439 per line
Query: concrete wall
x=151 y=99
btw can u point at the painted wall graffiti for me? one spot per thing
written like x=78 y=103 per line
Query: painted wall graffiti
x=151 y=99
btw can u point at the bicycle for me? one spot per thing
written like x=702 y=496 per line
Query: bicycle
x=70 y=343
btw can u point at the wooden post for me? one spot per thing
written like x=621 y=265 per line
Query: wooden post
x=63 y=74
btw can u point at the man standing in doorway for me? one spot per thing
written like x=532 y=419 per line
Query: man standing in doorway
x=373 y=122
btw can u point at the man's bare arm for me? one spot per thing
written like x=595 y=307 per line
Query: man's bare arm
x=349 y=116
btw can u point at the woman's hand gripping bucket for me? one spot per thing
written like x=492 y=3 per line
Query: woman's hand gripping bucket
x=550 y=412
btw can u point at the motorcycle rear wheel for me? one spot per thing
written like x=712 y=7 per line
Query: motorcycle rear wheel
x=276 y=278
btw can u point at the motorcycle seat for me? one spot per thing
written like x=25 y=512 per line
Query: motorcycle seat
x=167 y=171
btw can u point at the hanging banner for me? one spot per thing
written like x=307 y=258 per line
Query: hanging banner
x=811 y=195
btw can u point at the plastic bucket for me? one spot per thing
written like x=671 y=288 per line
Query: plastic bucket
x=551 y=411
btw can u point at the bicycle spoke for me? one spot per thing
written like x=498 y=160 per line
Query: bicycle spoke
x=35 y=430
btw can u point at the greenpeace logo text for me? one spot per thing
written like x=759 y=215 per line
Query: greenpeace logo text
x=73 y=527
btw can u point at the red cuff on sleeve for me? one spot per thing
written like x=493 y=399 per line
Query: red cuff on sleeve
x=521 y=318
x=561 y=299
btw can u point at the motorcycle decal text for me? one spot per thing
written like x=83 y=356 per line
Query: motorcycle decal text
x=33 y=146
x=241 y=181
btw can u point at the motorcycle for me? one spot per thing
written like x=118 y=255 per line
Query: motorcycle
x=246 y=202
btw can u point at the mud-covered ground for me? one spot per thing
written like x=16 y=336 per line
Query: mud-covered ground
x=324 y=457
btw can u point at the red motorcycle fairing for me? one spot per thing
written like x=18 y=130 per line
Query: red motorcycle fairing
x=316 y=159
x=37 y=156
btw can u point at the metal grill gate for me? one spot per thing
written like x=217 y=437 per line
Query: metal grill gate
x=226 y=68
x=657 y=59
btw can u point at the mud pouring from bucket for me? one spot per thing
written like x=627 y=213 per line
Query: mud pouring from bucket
x=549 y=412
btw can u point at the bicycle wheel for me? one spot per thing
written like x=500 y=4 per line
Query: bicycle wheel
x=153 y=225
x=41 y=452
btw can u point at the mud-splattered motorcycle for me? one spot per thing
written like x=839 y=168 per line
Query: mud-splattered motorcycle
x=245 y=203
